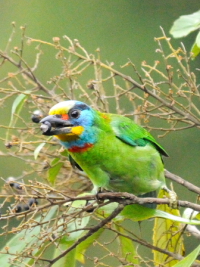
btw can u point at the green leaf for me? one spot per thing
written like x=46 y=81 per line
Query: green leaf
x=165 y=230
x=16 y=108
x=64 y=153
x=127 y=247
x=197 y=216
x=189 y=260
x=73 y=233
x=38 y=149
x=198 y=40
x=24 y=239
x=54 y=170
x=138 y=212
x=195 y=50
x=185 y=25
x=68 y=260
x=79 y=223
x=54 y=161
x=166 y=215
x=83 y=246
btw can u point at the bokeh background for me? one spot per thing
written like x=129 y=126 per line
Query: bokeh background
x=122 y=29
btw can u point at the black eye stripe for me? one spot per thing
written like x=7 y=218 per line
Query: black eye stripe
x=76 y=110
x=81 y=106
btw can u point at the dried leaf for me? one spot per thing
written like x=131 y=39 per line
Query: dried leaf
x=167 y=235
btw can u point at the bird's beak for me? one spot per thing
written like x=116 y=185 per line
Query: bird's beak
x=55 y=125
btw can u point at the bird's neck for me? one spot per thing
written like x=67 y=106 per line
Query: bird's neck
x=90 y=135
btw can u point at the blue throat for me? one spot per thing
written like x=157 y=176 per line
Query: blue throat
x=87 y=137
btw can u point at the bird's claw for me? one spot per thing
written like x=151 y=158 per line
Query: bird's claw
x=100 y=190
x=96 y=191
x=173 y=201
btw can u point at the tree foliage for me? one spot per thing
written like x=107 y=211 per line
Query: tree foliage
x=58 y=219
x=186 y=24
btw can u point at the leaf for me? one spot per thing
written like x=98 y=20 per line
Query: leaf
x=68 y=260
x=127 y=247
x=54 y=170
x=197 y=216
x=189 y=260
x=24 y=239
x=64 y=153
x=167 y=236
x=73 y=233
x=78 y=223
x=54 y=161
x=83 y=246
x=190 y=214
x=198 y=40
x=38 y=149
x=172 y=217
x=185 y=25
x=17 y=106
x=138 y=212
x=195 y=50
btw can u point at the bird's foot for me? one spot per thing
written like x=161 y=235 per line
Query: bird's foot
x=97 y=191
x=172 y=198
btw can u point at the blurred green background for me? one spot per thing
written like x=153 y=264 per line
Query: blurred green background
x=122 y=29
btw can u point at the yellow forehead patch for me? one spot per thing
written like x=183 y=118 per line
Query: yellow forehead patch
x=62 y=107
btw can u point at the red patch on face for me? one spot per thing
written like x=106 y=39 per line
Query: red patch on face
x=65 y=117
x=104 y=116
x=77 y=149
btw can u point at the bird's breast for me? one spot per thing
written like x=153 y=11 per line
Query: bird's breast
x=80 y=149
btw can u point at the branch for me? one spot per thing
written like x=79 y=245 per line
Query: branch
x=89 y=233
x=148 y=245
x=187 y=115
x=129 y=199
x=122 y=198
x=183 y=182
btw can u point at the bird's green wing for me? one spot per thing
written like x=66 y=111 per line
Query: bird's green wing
x=74 y=164
x=133 y=134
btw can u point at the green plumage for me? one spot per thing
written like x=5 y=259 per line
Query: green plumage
x=125 y=158
x=115 y=152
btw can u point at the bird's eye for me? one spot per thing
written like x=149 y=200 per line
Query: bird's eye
x=75 y=113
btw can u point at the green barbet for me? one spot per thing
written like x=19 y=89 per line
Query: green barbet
x=116 y=153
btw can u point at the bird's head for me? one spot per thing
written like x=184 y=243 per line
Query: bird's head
x=67 y=120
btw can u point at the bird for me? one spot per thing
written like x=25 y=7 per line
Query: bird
x=115 y=152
